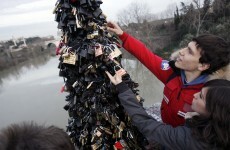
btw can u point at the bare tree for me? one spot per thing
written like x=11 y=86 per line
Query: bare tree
x=195 y=14
x=169 y=11
x=135 y=13
x=219 y=6
x=188 y=15
x=200 y=14
x=137 y=20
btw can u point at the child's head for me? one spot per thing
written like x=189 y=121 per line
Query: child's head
x=34 y=137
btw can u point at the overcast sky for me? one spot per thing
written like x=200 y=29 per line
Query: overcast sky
x=15 y=13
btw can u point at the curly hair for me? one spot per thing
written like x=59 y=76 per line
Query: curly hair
x=214 y=51
x=214 y=129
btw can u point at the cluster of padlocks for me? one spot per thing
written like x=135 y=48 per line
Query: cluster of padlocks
x=87 y=50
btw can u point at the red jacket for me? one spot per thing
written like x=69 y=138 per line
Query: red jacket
x=177 y=96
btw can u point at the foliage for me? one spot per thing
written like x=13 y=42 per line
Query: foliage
x=176 y=18
x=190 y=20
x=135 y=13
x=33 y=40
x=166 y=52
x=187 y=38
x=213 y=18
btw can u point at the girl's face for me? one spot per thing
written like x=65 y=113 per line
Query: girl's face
x=199 y=102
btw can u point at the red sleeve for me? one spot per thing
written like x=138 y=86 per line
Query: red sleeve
x=145 y=56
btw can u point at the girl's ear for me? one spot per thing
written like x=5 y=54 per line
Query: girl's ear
x=203 y=67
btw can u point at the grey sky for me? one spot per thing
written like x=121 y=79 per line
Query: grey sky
x=16 y=13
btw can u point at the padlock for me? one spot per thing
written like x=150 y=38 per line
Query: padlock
x=106 y=130
x=72 y=26
x=93 y=35
x=95 y=146
x=97 y=12
x=87 y=51
x=98 y=50
x=70 y=58
x=123 y=143
x=57 y=5
x=118 y=146
x=115 y=52
x=114 y=119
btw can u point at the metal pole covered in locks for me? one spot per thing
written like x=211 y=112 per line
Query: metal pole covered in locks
x=87 y=50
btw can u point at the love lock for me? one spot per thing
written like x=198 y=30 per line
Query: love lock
x=87 y=50
x=114 y=51
x=70 y=59
x=98 y=50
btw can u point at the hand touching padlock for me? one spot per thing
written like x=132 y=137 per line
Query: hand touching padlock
x=114 y=27
x=117 y=78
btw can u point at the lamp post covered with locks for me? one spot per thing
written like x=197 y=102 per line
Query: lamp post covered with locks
x=87 y=50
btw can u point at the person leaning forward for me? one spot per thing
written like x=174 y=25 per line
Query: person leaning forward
x=208 y=127
x=183 y=77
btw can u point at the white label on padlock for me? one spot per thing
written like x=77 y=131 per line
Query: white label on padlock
x=115 y=51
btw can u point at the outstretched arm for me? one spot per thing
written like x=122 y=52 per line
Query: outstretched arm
x=179 y=138
x=153 y=62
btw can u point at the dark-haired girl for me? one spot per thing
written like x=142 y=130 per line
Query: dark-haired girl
x=208 y=127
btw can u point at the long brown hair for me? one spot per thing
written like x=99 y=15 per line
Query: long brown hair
x=214 y=129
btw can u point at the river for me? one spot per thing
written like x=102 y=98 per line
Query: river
x=31 y=91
